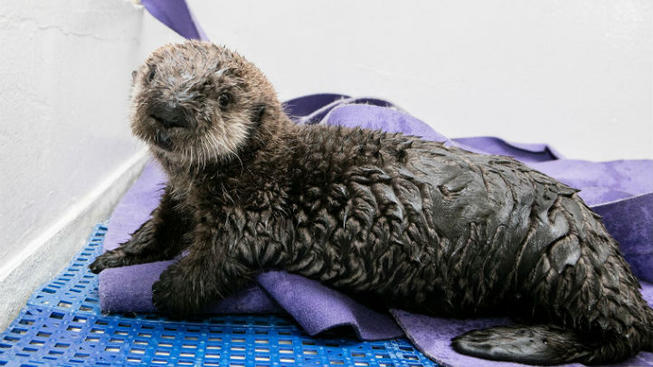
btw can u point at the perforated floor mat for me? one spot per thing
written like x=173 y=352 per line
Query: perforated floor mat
x=62 y=325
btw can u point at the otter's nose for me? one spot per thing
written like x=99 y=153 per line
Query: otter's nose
x=169 y=115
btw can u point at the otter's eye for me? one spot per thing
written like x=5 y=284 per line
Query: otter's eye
x=224 y=100
x=151 y=75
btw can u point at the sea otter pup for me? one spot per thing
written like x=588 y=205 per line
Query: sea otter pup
x=422 y=226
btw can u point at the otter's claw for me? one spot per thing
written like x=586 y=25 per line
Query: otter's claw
x=109 y=259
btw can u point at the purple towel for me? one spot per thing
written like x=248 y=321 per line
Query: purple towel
x=177 y=16
x=621 y=191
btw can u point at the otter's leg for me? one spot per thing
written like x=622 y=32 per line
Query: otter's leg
x=594 y=310
x=208 y=273
x=160 y=238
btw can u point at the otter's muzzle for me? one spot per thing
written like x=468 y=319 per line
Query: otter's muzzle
x=170 y=115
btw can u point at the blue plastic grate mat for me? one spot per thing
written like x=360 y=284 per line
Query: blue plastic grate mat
x=62 y=325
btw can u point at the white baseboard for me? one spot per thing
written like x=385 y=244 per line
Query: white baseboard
x=51 y=251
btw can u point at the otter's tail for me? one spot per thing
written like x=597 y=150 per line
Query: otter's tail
x=592 y=308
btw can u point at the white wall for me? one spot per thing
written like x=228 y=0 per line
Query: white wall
x=65 y=71
x=574 y=73
x=65 y=74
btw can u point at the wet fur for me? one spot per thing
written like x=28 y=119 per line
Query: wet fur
x=418 y=225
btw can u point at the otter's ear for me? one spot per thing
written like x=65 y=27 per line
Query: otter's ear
x=134 y=73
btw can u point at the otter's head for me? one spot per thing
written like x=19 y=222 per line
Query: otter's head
x=196 y=102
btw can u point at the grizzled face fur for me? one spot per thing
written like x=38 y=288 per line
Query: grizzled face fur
x=196 y=102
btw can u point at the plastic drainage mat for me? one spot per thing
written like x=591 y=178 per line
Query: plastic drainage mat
x=62 y=325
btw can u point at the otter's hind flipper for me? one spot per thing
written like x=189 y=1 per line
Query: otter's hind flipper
x=530 y=344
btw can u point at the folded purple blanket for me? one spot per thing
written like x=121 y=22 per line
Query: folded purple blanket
x=621 y=191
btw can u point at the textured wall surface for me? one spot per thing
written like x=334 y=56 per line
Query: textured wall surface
x=575 y=73
x=65 y=73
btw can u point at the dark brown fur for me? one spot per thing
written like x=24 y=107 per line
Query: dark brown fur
x=423 y=227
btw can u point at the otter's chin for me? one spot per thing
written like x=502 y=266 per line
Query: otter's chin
x=162 y=140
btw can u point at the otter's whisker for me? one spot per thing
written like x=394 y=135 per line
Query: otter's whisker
x=205 y=153
x=191 y=155
x=207 y=148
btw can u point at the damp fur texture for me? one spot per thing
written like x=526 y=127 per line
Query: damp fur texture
x=409 y=223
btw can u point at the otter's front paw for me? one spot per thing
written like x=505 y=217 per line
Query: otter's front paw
x=109 y=259
x=172 y=295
